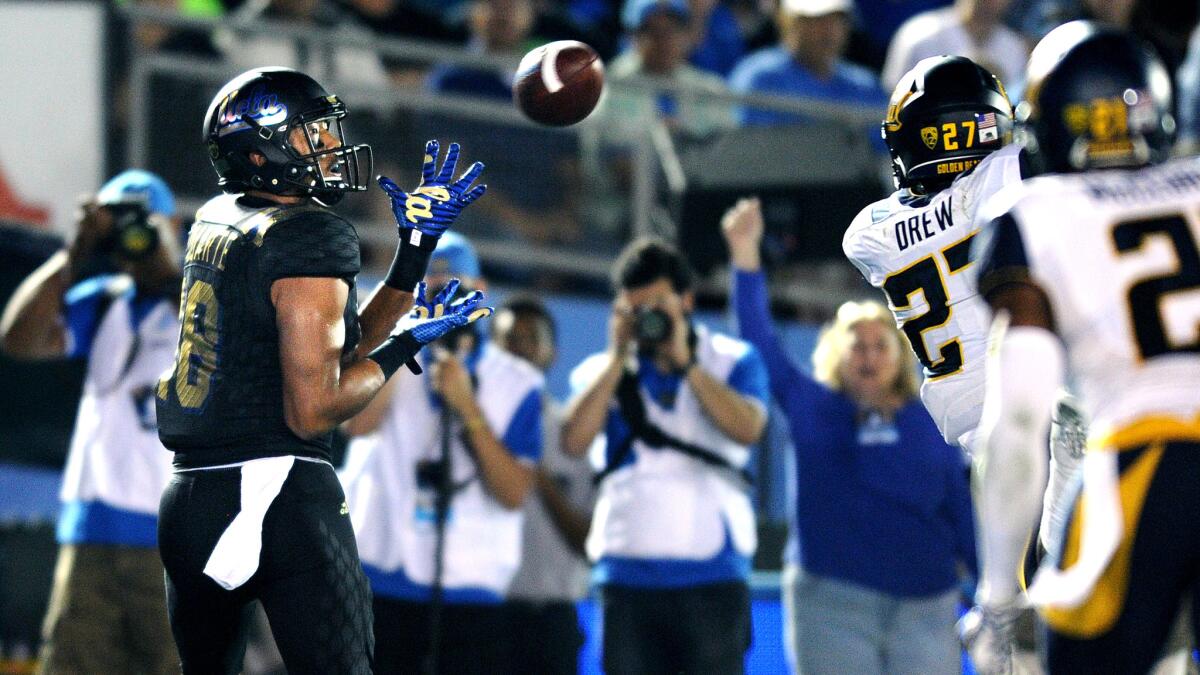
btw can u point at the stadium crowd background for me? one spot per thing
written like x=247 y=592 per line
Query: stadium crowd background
x=713 y=111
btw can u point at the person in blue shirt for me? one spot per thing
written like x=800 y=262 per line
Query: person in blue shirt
x=496 y=27
x=807 y=63
x=719 y=43
x=884 y=524
x=669 y=411
x=107 y=611
x=884 y=18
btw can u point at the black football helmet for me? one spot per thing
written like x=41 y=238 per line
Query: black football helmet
x=944 y=117
x=289 y=119
x=1096 y=97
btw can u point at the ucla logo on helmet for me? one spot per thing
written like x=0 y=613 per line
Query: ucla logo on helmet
x=930 y=136
x=261 y=105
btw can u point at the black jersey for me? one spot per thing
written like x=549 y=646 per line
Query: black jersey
x=223 y=400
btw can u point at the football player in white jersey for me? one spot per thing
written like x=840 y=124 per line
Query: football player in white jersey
x=946 y=125
x=947 y=128
x=1093 y=268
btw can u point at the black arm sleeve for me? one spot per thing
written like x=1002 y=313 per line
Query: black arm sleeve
x=312 y=244
x=1002 y=258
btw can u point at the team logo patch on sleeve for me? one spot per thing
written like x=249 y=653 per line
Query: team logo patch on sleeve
x=930 y=136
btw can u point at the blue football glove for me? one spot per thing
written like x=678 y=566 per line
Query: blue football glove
x=430 y=320
x=425 y=213
x=433 y=206
x=427 y=322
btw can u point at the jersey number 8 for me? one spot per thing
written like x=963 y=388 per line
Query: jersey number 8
x=197 y=357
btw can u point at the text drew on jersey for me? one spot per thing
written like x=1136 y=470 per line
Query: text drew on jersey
x=918 y=227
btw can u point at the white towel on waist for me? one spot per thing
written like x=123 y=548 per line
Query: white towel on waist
x=235 y=558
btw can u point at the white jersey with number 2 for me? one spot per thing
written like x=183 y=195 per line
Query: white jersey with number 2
x=916 y=249
x=1117 y=255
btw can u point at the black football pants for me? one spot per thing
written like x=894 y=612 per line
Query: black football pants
x=309 y=580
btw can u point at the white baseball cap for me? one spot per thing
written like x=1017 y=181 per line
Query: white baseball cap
x=817 y=7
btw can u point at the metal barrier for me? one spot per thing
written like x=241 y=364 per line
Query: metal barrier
x=562 y=201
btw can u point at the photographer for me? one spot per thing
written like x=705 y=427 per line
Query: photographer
x=670 y=409
x=435 y=480
x=107 y=613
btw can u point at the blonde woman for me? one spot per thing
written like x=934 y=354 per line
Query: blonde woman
x=883 y=513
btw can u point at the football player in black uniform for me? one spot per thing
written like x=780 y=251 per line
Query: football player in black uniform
x=274 y=353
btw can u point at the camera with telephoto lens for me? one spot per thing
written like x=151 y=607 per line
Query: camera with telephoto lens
x=651 y=325
x=133 y=236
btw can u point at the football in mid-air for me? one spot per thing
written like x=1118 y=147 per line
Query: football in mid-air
x=559 y=83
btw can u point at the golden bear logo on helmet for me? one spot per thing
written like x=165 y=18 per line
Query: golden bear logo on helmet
x=930 y=136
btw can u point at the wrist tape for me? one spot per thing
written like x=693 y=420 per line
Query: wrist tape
x=397 y=350
x=411 y=261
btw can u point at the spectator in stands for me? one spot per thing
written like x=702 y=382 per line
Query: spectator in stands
x=542 y=211
x=669 y=412
x=715 y=35
x=1035 y=18
x=658 y=54
x=107 y=612
x=436 y=476
x=498 y=28
x=345 y=62
x=611 y=137
x=553 y=575
x=1188 y=79
x=403 y=19
x=880 y=20
x=971 y=28
x=807 y=63
x=883 y=512
x=1167 y=26
x=157 y=37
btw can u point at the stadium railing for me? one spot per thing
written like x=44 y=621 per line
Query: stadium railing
x=570 y=197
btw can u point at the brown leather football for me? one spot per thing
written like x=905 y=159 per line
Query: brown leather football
x=559 y=83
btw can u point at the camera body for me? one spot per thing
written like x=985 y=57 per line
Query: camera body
x=651 y=325
x=133 y=236
x=431 y=474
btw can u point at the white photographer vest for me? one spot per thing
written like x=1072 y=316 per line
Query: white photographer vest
x=394 y=518
x=666 y=505
x=115 y=457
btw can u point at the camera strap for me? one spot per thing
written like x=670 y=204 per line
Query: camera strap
x=633 y=411
x=444 y=495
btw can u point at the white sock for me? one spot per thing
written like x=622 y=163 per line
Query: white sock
x=1024 y=373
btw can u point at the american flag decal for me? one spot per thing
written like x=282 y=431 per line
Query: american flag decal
x=986 y=123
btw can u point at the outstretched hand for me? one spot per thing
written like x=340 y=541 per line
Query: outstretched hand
x=430 y=320
x=437 y=201
x=427 y=322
